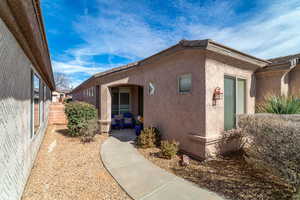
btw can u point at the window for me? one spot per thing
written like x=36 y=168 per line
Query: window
x=241 y=96
x=120 y=100
x=36 y=103
x=185 y=83
x=234 y=100
x=115 y=101
x=42 y=100
x=124 y=102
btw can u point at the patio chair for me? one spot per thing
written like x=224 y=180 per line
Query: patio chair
x=128 y=120
x=115 y=122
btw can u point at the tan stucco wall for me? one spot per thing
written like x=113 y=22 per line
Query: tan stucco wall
x=295 y=81
x=134 y=100
x=191 y=118
x=268 y=83
x=175 y=114
x=215 y=70
x=18 y=146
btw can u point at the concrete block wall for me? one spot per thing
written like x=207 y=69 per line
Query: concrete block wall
x=18 y=148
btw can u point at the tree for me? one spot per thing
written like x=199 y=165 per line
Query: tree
x=62 y=81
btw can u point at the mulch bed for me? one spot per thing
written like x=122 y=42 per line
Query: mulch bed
x=65 y=169
x=230 y=176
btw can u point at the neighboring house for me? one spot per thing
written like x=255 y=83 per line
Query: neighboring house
x=26 y=81
x=281 y=77
x=180 y=91
x=60 y=96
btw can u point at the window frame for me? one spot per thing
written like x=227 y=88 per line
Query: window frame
x=119 y=91
x=236 y=78
x=34 y=131
x=179 y=85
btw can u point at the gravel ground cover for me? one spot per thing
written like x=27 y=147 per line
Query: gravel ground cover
x=230 y=176
x=66 y=169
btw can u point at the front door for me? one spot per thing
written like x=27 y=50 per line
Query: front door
x=229 y=103
x=234 y=100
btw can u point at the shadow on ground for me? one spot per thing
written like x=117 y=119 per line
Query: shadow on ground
x=63 y=131
x=124 y=135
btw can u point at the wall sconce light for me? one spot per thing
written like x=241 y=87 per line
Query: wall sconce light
x=218 y=95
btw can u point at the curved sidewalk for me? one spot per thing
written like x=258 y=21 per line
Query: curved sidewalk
x=143 y=180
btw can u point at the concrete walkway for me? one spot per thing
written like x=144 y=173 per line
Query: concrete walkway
x=143 y=180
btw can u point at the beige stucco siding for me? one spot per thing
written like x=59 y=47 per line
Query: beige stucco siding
x=268 y=83
x=215 y=71
x=191 y=118
x=17 y=148
x=295 y=81
x=177 y=115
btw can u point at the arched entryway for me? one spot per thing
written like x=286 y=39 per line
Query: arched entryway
x=127 y=98
x=121 y=104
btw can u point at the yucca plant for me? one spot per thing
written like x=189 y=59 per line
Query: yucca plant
x=280 y=105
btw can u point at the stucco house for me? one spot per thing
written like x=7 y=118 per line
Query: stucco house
x=191 y=91
x=60 y=95
x=281 y=77
x=26 y=82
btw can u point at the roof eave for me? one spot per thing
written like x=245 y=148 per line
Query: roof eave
x=225 y=50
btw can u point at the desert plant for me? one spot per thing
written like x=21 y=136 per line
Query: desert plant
x=88 y=133
x=274 y=145
x=78 y=114
x=157 y=135
x=169 y=148
x=279 y=105
x=231 y=141
x=149 y=137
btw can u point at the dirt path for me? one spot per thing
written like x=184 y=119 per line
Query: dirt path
x=67 y=169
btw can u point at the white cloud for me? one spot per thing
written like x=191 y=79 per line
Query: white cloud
x=264 y=36
x=75 y=83
x=69 y=68
x=273 y=32
x=121 y=34
x=127 y=30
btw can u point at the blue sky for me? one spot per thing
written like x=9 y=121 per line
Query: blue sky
x=90 y=36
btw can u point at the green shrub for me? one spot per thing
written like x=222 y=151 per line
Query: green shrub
x=78 y=114
x=274 y=145
x=88 y=133
x=149 y=137
x=280 y=105
x=169 y=148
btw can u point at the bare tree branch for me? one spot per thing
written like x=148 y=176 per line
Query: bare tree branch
x=62 y=81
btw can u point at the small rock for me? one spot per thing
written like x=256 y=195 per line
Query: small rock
x=185 y=160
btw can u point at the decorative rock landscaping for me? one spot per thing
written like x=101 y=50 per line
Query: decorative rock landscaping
x=68 y=169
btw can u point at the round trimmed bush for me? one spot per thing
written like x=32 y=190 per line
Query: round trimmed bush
x=78 y=114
